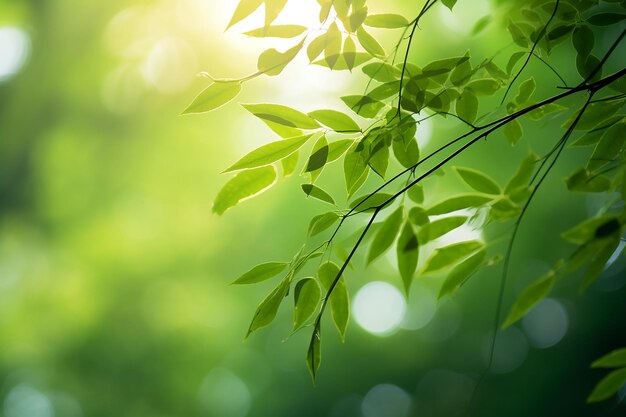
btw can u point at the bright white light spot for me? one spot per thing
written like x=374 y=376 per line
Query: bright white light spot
x=379 y=308
x=224 y=394
x=421 y=309
x=14 y=50
x=23 y=401
x=511 y=351
x=386 y=400
x=171 y=65
x=546 y=324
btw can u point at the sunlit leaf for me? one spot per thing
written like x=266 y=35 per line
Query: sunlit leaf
x=407 y=252
x=272 y=9
x=283 y=115
x=349 y=52
x=339 y=299
x=335 y=120
x=461 y=273
x=447 y=256
x=484 y=86
x=369 y=202
x=513 y=131
x=526 y=90
x=438 y=228
x=386 y=21
x=213 y=97
x=534 y=293
x=599 y=262
x=272 y=62
x=269 y=153
x=467 y=106
x=261 y=273
x=600 y=226
x=386 y=235
x=449 y=3
x=242 y=186
x=306 y=295
x=479 y=181
x=370 y=44
x=322 y=222
x=459 y=202
x=244 y=9
x=266 y=311
x=314 y=354
x=313 y=191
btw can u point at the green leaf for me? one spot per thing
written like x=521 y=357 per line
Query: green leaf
x=386 y=21
x=356 y=18
x=479 y=181
x=609 y=147
x=341 y=64
x=481 y=24
x=588 y=229
x=318 y=158
x=277 y=31
x=484 y=86
x=332 y=50
x=266 y=311
x=459 y=202
x=369 y=202
x=467 y=106
x=261 y=273
x=416 y=193
x=406 y=151
x=407 y=251
x=522 y=176
x=385 y=236
x=513 y=131
x=354 y=167
x=289 y=164
x=335 y=120
x=438 y=228
x=338 y=148
x=339 y=298
x=242 y=186
x=513 y=60
x=349 y=52
x=606 y=19
x=363 y=105
x=312 y=191
x=379 y=157
x=418 y=216
x=370 y=44
x=447 y=256
x=322 y=222
x=307 y=295
x=461 y=273
x=272 y=62
x=583 y=181
x=273 y=9
x=383 y=72
x=534 y=293
x=608 y=386
x=244 y=9
x=526 y=90
x=282 y=115
x=314 y=354
x=615 y=359
x=583 y=40
x=269 y=153
x=598 y=263
x=449 y=3
x=214 y=96
x=316 y=47
x=595 y=112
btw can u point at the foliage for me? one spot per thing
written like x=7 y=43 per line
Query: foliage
x=374 y=141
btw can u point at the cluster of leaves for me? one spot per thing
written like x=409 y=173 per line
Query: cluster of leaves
x=378 y=135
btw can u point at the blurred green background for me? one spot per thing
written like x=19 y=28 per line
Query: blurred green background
x=114 y=296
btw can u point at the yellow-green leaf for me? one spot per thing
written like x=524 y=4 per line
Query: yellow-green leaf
x=306 y=295
x=534 y=293
x=214 y=96
x=244 y=185
x=261 y=273
x=269 y=153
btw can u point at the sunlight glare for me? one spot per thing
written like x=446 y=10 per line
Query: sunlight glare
x=379 y=308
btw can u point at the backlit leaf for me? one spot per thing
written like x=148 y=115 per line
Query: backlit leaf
x=322 y=222
x=479 y=181
x=261 y=273
x=438 y=228
x=534 y=293
x=608 y=386
x=213 y=97
x=467 y=106
x=387 y=21
x=283 y=115
x=461 y=273
x=447 y=256
x=370 y=44
x=242 y=186
x=277 y=31
x=386 y=235
x=307 y=295
x=407 y=252
x=244 y=9
x=269 y=153
x=339 y=298
x=459 y=202
x=266 y=311
x=615 y=359
x=312 y=191
x=335 y=120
